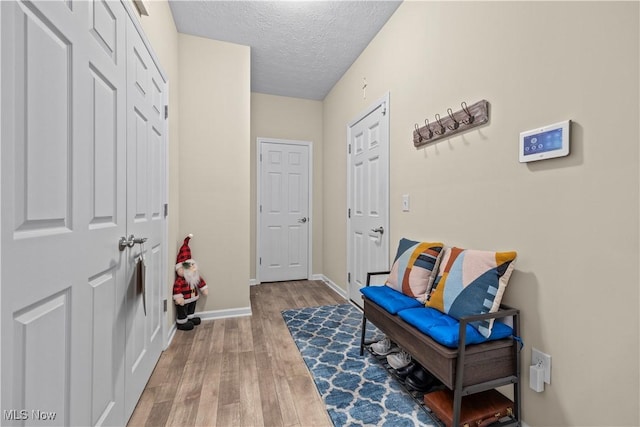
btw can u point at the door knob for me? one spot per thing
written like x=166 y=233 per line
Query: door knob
x=378 y=230
x=124 y=242
x=302 y=220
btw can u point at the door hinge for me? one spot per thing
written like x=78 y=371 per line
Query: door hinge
x=349 y=213
x=260 y=156
x=166 y=210
x=260 y=260
x=348 y=277
x=384 y=108
x=164 y=302
x=260 y=208
x=166 y=112
x=349 y=148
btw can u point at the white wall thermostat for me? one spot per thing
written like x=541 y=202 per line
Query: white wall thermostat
x=545 y=142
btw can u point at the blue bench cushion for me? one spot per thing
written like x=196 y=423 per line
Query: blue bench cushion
x=445 y=329
x=389 y=299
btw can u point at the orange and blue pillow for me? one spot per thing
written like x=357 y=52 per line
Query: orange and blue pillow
x=414 y=267
x=471 y=282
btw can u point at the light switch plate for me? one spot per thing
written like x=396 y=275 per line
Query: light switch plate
x=405 y=203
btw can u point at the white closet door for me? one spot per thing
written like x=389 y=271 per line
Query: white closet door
x=63 y=200
x=146 y=93
x=76 y=344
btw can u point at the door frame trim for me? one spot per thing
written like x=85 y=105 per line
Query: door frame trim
x=384 y=103
x=167 y=292
x=1 y=192
x=309 y=144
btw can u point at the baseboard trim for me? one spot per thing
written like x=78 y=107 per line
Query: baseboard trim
x=170 y=335
x=211 y=315
x=321 y=277
x=337 y=289
x=223 y=314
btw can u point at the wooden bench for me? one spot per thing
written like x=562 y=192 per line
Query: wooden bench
x=464 y=370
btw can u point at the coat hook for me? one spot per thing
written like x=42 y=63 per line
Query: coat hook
x=428 y=126
x=442 y=129
x=455 y=124
x=456 y=121
x=470 y=118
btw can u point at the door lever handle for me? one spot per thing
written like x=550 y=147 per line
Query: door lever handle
x=125 y=243
x=378 y=230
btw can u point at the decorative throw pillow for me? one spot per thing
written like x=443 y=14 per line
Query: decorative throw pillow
x=414 y=268
x=471 y=282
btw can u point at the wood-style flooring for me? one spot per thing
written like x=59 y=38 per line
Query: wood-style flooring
x=242 y=371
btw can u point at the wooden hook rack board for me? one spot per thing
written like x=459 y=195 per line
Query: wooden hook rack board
x=446 y=127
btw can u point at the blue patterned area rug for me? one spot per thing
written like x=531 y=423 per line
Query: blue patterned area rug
x=357 y=390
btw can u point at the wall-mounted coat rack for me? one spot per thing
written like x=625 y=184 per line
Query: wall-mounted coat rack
x=453 y=123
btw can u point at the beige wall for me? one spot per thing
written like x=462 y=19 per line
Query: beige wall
x=163 y=36
x=209 y=104
x=574 y=220
x=282 y=117
x=214 y=183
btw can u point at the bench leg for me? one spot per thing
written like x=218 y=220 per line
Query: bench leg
x=517 y=385
x=364 y=332
x=457 y=406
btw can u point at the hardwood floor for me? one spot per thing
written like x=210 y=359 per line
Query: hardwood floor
x=242 y=371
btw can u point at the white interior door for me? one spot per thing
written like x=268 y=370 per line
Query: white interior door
x=146 y=136
x=284 y=222
x=63 y=194
x=75 y=347
x=368 y=193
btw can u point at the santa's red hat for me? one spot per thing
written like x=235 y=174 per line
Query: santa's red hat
x=184 y=254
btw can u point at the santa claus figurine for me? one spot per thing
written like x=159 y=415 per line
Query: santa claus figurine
x=186 y=287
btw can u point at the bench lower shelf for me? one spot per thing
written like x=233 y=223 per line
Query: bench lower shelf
x=418 y=396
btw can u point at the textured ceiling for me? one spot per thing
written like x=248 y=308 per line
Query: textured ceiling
x=298 y=48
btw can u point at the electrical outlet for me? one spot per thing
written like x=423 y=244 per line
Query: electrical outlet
x=405 y=203
x=545 y=360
